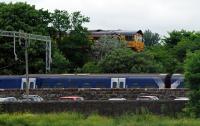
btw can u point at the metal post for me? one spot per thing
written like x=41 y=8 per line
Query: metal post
x=15 y=48
x=26 y=58
x=46 y=57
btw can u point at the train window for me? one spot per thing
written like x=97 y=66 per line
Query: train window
x=140 y=39
x=136 y=38
x=31 y=85
x=114 y=84
x=24 y=85
x=121 y=85
x=129 y=38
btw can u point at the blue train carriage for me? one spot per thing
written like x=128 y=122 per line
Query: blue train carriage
x=10 y=82
x=91 y=81
x=146 y=81
x=73 y=81
x=97 y=81
x=16 y=82
x=106 y=81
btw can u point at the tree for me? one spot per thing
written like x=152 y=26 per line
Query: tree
x=164 y=57
x=76 y=48
x=76 y=45
x=22 y=16
x=118 y=61
x=151 y=38
x=145 y=63
x=60 y=63
x=176 y=36
x=60 y=22
x=104 y=46
x=185 y=45
x=77 y=21
x=192 y=79
x=90 y=67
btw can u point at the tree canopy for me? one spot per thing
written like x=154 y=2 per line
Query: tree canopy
x=150 y=38
x=192 y=78
x=22 y=16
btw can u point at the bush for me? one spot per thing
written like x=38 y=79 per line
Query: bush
x=90 y=67
x=118 y=61
x=60 y=63
x=144 y=63
x=192 y=78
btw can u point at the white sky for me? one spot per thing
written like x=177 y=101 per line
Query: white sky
x=159 y=16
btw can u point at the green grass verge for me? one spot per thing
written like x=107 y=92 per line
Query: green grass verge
x=74 y=119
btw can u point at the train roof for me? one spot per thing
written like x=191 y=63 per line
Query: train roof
x=114 y=32
x=91 y=75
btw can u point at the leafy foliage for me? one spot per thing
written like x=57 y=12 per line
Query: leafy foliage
x=77 y=20
x=144 y=63
x=60 y=63
x=176 y=36
x=76 y=44
x=118 y=61
x=76 y=48
x=21 y=16
x=184 y=46
x=91 y=67
x=163 y=56
x=60 y=22
x=150 y=38
x=192 y=78
x=104 y=46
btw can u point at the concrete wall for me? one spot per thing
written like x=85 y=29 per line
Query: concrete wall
x=171 y=108
x=98 y=94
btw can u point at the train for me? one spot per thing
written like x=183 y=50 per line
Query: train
x=90 y=81
x=134 y=39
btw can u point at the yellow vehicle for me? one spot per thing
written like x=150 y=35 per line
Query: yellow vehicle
x=134 y=39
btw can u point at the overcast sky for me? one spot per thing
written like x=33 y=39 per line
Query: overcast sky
x=159 y=16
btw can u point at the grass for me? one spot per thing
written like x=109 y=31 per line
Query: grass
x=75 y=119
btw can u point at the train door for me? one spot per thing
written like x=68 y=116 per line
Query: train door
x=114 y=82
x=32 y=83
x=122 y=82
x=118 y=82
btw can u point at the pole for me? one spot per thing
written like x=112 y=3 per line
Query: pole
x=26 y=58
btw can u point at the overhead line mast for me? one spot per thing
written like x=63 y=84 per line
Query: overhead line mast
x=28 y=37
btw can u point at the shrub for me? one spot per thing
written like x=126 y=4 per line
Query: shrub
x=118 y=61
x=192 y=78
x=90 y=67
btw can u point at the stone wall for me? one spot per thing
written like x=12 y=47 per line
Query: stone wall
x=99 y=94
x=171 y=108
